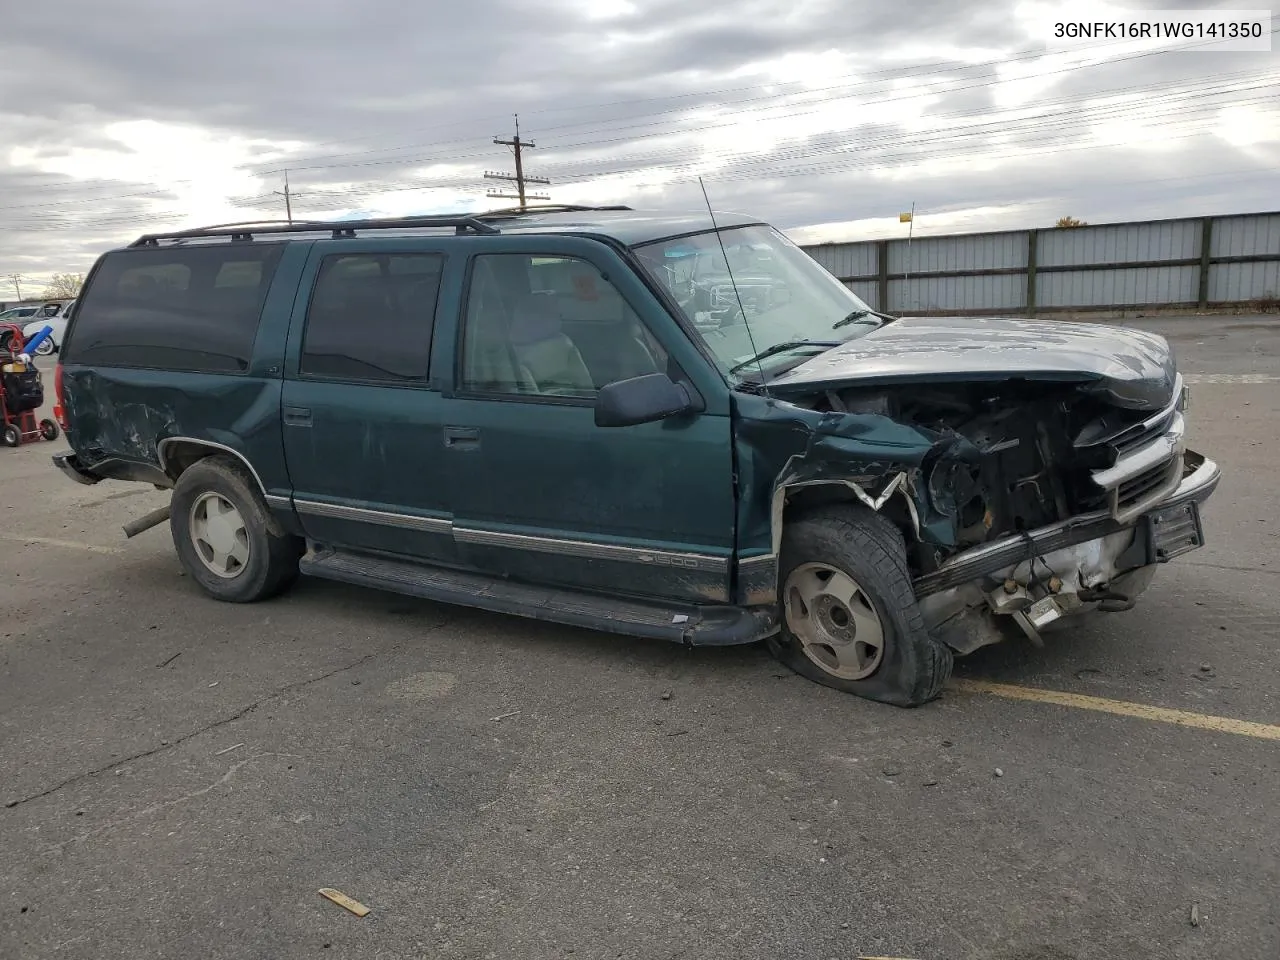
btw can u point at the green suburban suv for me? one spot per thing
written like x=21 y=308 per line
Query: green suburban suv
x=656 y=425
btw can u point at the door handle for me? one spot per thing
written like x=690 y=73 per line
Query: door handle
x=462 y=438
x=297 y=416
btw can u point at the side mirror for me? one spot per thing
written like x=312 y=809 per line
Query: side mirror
x=646 y=399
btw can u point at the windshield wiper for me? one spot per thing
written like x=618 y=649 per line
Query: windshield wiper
x=858 y=315
x=783 y=347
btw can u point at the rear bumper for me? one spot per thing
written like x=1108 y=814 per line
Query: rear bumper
x=70 y=465
x=1200 y=478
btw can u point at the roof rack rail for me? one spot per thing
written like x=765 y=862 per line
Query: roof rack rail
x=548 y=208
x=340 y=228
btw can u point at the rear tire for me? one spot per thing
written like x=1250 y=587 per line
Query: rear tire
x=849 y=614
x=225 y=537
x=46 y=348
x=12 y=436
x=48 y=430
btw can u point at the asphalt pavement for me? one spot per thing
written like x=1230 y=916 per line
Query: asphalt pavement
x=179 y=778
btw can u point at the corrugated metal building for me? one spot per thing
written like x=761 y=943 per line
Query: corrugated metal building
x=1201 y=261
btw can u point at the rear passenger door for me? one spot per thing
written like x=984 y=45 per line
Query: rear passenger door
x=361 y=405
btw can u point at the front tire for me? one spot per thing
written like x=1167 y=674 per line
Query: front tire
x=46 y=348
x=225 y=537
x=849 y=614
x=12 y=435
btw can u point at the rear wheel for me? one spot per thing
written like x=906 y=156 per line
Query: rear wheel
x=48 y=430
x=12 y=435
x=46 y=347
x=226 y=539
x=850 y=619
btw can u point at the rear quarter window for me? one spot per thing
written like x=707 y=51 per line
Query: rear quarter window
x=174 y=308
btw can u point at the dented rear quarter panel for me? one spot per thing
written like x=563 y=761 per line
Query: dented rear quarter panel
x=117 y=415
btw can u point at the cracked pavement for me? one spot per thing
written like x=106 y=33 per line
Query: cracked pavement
x=180 y=777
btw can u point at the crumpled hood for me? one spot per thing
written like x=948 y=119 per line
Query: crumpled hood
x=1130 y=368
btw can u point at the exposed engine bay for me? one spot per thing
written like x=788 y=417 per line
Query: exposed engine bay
x=1016 y=456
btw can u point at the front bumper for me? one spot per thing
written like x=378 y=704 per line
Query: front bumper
x=1199 y=480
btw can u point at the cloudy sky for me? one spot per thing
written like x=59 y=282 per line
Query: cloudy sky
x=828 y=117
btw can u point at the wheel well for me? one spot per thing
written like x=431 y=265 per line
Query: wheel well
x=179 y=454
x=807 y=499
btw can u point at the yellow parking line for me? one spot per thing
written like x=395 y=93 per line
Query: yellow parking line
x=1181 y=718
x=51 y=542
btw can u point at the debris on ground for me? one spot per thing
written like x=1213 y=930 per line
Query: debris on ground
x=1195 y=915
x=999 y=772
x=666 y=694
x=505 y=716
x=891 y=771
x=1205 y=667
x=342 y=900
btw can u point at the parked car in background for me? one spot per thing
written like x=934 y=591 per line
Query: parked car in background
x=53 y=315
x=18 y=314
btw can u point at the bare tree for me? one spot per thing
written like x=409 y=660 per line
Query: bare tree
x=64 y=286
x=1070 y=222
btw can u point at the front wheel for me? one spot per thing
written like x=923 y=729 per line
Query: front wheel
x=46 y=347
x=48 y=430
x=850 y=619
x=226 y=539
x=12 y=435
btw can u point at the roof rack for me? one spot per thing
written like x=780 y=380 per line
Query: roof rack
x=548 y=208
x=341 y=228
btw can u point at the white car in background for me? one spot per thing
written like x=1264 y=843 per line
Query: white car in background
x=16 y=314
x=53 y=315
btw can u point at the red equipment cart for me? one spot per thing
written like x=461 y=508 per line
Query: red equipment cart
x=21 y=393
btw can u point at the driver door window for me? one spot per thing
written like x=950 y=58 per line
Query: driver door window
x=549 y=327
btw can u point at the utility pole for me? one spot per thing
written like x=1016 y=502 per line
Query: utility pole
x=288 y=197
x=517 y=145
x=16 y=280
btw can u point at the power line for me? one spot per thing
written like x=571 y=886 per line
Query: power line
x=896 y=73
x=867 y=78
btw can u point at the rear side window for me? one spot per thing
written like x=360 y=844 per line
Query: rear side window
x=175 y=308
x=371 y=317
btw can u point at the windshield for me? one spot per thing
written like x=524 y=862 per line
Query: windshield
x=786 y=296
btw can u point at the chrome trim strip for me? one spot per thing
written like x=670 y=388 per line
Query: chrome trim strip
x=978 y=561
x=591 y=550
x=278 y=503
x=216 y=446
x=763 y=560
x=1145 y=457
x=407 y=521
x=1139 y=430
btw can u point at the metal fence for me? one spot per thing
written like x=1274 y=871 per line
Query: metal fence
x=1194 y=262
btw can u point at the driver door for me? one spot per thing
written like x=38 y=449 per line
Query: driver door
x=540 y=493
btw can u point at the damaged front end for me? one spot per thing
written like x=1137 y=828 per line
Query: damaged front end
x=1021 y=501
